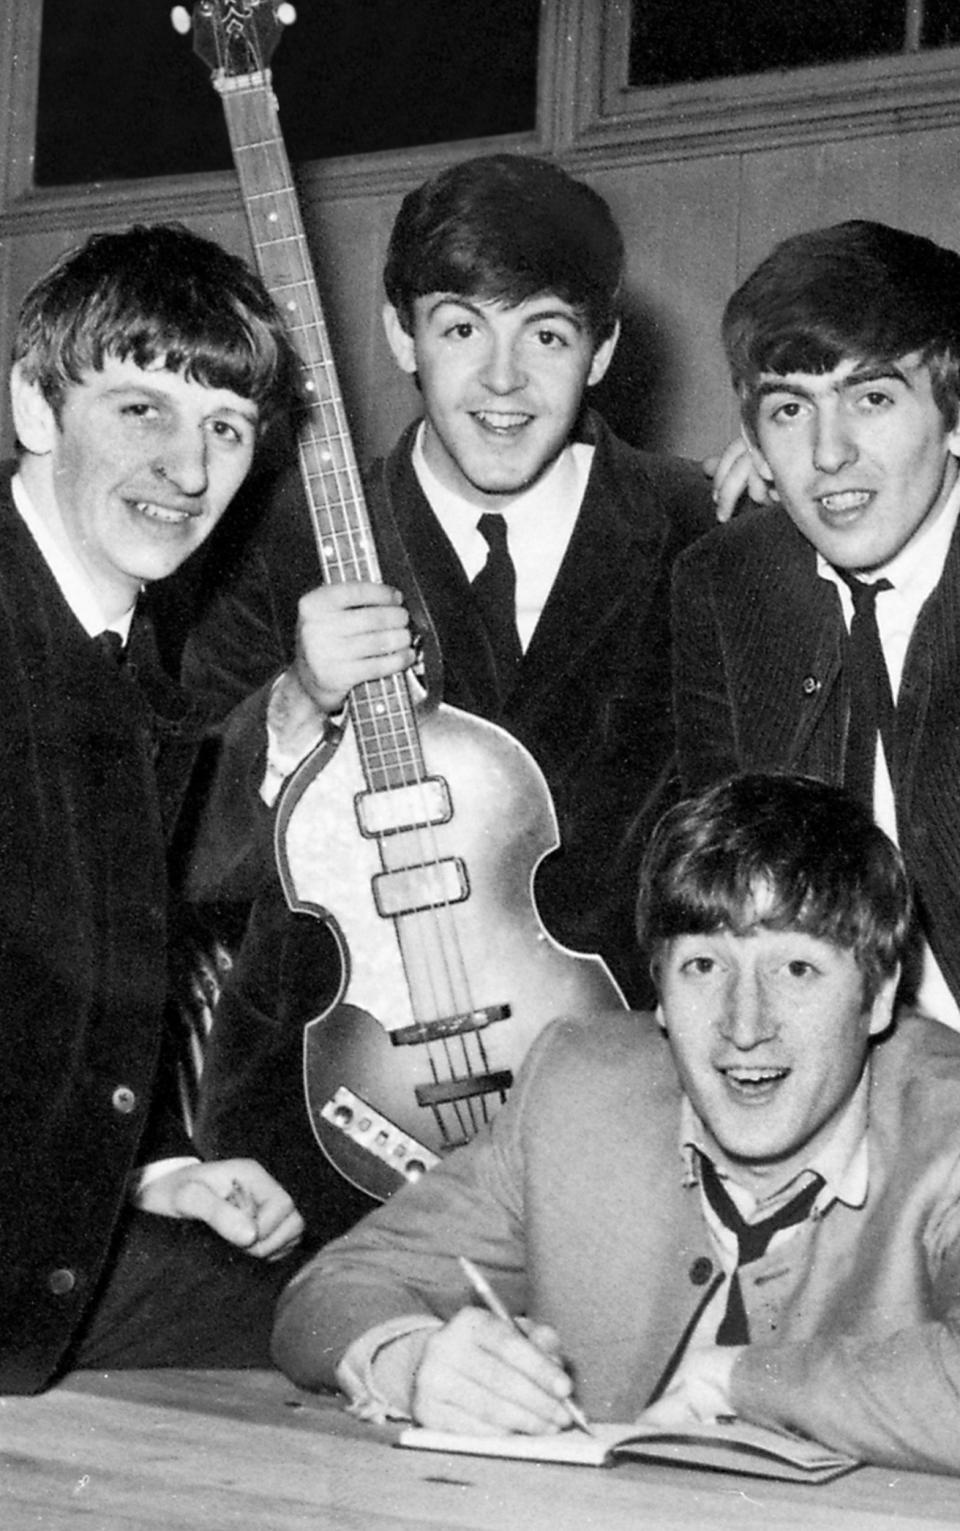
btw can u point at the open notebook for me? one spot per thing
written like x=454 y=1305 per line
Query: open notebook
x=732 y=1446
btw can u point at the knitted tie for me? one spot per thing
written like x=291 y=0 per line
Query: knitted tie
x=871 y=700
x=495 y=591
x=752 y=1241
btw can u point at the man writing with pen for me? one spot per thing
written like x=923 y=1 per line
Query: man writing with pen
x=751 y=1208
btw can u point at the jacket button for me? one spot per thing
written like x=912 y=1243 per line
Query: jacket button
x=61 y=1282
x=123 y=1099
x=810 y=685
x=701 y=1270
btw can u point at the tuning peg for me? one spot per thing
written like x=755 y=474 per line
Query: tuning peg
x=286 y=14
x=180 y=20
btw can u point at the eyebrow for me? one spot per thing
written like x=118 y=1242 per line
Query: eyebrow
x=478 y=305
x=248 y=409
x=880 y=372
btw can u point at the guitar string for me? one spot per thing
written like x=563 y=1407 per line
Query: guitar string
x=443 y=914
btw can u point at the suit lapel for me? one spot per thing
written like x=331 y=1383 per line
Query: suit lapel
x=797 y=647
x=469 y=674
x=934 y=650
x=610 y=561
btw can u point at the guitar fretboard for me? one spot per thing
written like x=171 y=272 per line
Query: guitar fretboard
x=383 y=715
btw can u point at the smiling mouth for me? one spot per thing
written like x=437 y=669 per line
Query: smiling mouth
x=499 y=423
x=753 y=1083
x=845 y=502
x=167 y=515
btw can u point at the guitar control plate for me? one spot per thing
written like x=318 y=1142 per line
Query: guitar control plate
x=363 y=1125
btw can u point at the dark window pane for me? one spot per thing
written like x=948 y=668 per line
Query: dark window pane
x=941 y=24
x=673 y=41
x=121 y=94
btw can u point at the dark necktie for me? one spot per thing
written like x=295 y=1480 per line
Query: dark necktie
x=872 y=711
x=111 y=646
x=495 y=590
x=752 y=1241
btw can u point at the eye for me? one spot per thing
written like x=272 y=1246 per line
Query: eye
x=786 y=412
x=700 y=966
x=874 y=399
x=551 y=339
x=228 y=432
x=798 y=968
x=461 y=330
x=139 y=410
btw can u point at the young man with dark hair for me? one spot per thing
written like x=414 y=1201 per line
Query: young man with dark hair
x=822 y=634
x=504 y=279
x=751 y=1212
x=147 y=366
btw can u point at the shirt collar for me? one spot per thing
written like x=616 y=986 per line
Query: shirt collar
x=561 y=486
x=842 y=1161
x=71 y=577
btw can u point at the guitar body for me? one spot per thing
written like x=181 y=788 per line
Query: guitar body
x=483 y=953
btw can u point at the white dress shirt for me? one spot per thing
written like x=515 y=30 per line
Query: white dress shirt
x=539 y=522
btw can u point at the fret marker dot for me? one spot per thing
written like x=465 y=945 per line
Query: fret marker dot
x=380 y=708
x=272 y=217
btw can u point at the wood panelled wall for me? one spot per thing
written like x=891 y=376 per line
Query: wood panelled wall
x=696 y=213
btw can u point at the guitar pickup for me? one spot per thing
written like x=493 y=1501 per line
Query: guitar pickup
x=431 y=885
x=395 y=809
x=448 y=1026
x=464 y=1089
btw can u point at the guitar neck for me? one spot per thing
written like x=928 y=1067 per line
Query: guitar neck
x=331 y=476
x=387 y=735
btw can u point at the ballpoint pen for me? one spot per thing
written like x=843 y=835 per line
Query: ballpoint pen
x=494 y=1305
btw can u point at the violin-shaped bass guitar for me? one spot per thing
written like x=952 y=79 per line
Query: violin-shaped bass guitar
x=415 y=830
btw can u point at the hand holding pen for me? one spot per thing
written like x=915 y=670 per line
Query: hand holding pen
x=495 y=1306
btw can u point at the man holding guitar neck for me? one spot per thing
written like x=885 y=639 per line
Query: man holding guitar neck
x=504 y=278
x=538 y=543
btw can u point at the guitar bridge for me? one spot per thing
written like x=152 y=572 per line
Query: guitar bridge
x=450 y=1090
x=366 y=1127
x=448 y=1026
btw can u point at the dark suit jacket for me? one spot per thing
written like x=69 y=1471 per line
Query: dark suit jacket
x=576 y=1206
x=93 y=762
x=592 y=701
x=759 y=641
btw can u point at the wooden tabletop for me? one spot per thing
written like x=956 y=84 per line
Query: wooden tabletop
x=247 y=1451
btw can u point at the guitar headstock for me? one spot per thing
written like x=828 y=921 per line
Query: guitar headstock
x=235 y=37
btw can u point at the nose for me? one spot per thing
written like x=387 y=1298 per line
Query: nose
x=834 y=447
x=747 y=1017
x=502 y=371
x=183 y=462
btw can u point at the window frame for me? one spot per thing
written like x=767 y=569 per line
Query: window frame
x=760 y=111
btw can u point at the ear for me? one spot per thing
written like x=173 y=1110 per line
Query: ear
x=953 y=437
x=33 y=419
x=659 y=1017
x=881 y=1011
x=603 y=356
x=399 y=340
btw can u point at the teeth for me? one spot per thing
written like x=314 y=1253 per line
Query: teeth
x=501 y=422
x=755 y=1075
x=161 y=512
x=849 y=499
